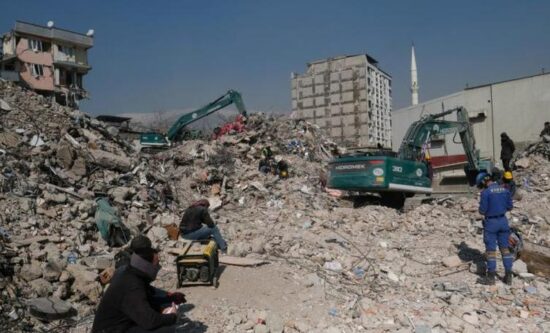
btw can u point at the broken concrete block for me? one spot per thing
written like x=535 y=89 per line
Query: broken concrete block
x=31 y=271
x=51 y=272
x=57 y=198
x=81 y=273
x=65 y=156
x=452 y=261
x=523 y=163
x=111 y=161
x=519 y=267
x=121 y=194
x=79 y=167
x=215 y=203
x=157 y=234
x=8 y=140
x=50 y=308
x=92 y=290
x=4 y=105
x=98 y=262
x=41 y=287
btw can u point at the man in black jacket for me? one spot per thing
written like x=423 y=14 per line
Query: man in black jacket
x=128 y=305
x=196 y=224
x=507 y=149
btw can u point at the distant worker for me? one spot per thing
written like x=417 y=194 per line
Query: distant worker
x=197 y=224
x=497 y=175
x=545 y=130
x=282 y=169
x=494 y=202
x=266 y=164
x=128 y=305
x=509 y=183
x=507 y=149
x=429 y=166
x=267 y=153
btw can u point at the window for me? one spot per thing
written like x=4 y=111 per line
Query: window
x=36 y=45
x=67 y=51
x=37 y=70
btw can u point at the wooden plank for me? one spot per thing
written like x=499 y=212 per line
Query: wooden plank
x=537 y=258
x=238 y=261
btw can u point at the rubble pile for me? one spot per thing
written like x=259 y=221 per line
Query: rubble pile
x=343 y=269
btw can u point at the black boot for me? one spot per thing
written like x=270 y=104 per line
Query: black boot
x=507 y=278
x=488 y=279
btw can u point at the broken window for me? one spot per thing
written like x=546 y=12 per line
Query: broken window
x=37 y=70
x=35 y=45
x=62 y=77
x=66 y=51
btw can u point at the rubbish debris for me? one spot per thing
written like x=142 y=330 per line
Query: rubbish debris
x=379 y=269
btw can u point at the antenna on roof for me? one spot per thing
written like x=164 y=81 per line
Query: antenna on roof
x=90 y=33
x=50 y=24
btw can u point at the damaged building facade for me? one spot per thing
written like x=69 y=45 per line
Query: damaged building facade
x=49 y=60
x=349 y=97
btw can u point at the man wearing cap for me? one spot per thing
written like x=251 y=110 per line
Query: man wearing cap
x=128 y=305
x=196 y=224
x=494 y=202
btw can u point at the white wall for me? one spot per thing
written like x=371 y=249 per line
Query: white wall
x=520 y=108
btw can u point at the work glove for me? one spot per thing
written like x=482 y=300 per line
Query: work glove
x=176 y=297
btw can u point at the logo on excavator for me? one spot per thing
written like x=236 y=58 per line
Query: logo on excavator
x=350 y=167
x=378 y=172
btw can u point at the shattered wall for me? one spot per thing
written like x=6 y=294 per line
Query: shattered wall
x=349 y=97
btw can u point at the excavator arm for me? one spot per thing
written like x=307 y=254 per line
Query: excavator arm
x=227 y=99
x=421 y=132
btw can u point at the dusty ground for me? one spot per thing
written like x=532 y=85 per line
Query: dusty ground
x=273 y=288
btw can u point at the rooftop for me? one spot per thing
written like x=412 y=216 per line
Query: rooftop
x=53 y=33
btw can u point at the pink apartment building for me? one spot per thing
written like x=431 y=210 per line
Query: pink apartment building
x=47 y=59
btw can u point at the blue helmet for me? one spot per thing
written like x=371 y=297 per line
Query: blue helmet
x=480 y=178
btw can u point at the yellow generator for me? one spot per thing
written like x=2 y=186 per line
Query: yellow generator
x=198 y=263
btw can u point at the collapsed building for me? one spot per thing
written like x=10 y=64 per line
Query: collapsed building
x=334 y=265
x=349 y=97
x=47 y=59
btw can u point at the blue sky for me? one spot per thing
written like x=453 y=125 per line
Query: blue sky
x=159 y=55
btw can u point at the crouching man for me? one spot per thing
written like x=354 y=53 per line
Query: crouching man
x=196 y=224
x=129 y=305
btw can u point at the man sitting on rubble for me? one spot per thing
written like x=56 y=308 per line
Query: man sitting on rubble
x=128 y=305
x=494 y=202
x=191 y=226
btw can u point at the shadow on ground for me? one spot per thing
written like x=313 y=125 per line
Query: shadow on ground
x=466 y=253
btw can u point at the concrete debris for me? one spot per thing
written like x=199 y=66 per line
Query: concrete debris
x=452 y=261
x=50 y=308
x=332 y=267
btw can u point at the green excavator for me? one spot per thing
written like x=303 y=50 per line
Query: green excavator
x=179 y=132
x=396 y=176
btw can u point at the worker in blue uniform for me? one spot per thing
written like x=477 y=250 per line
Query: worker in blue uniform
x=494 y=202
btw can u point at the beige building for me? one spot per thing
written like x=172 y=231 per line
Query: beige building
x=47 y=59
x=349 y=97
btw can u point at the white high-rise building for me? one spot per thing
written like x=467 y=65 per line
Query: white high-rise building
x=349 y=97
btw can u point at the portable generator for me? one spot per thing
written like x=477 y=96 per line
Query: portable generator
x=198 y=263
